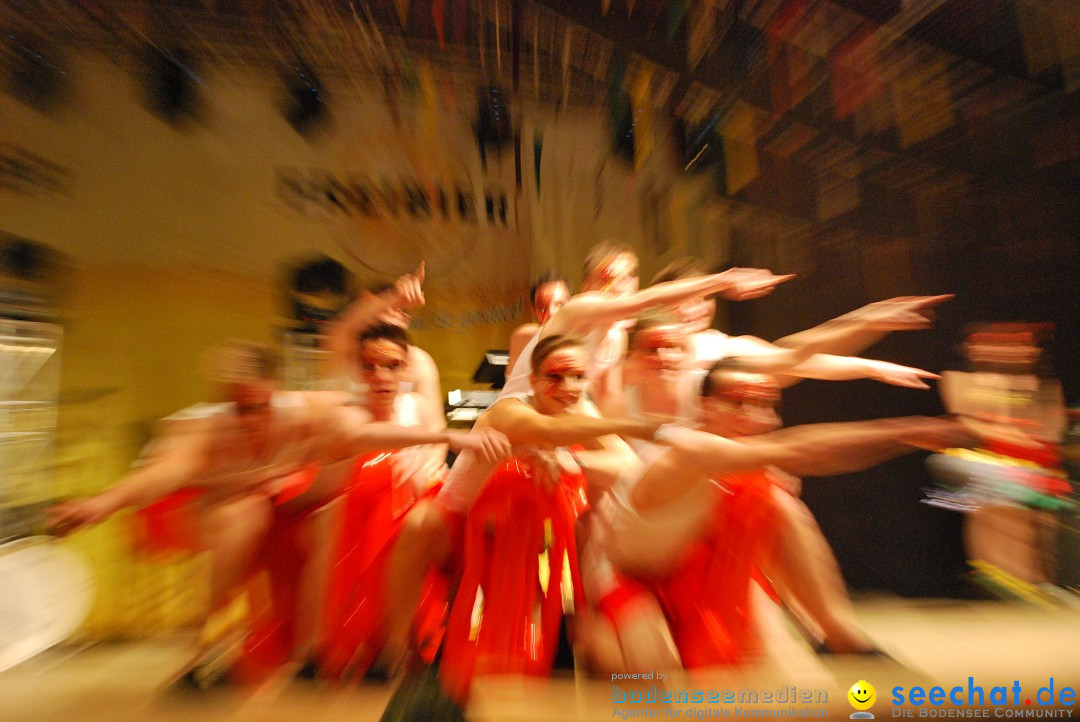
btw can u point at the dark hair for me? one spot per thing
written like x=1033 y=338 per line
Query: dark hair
x=547 y=346
x=601 y=252
x=680 y=268
x=545 y=278
x=710 y=385
x=387 y=331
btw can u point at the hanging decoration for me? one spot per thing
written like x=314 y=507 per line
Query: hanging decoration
x=402 y=7
x=641 y=103
x=438 y=16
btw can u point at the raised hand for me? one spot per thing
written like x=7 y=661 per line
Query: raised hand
x=747 y=283
x=409 y=289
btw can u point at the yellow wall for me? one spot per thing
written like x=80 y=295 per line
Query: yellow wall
x=132 y=348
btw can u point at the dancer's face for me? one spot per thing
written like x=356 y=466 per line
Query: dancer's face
x=617 y=275
x=549 y=299
x=744 y=404
x=559 y=382
x=251 y=404
x=697 y=315
x=381 y=365
x=661 y=348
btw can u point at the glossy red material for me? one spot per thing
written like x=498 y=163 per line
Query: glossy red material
x=517 y=629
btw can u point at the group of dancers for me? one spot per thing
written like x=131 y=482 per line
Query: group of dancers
x=660 y=433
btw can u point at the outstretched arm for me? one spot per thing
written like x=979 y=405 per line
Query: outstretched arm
x=855 y=331
x=525 y=426
x=843 y=368
x=792 y=365
x=346 y=431
x=586 y=311
x=816 y=449
x=175 y=460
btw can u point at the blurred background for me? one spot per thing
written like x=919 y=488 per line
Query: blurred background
x=174 y=174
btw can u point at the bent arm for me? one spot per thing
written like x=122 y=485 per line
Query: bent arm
x=525 y=426
x=341 y=334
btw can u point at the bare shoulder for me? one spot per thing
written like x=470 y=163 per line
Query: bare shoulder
x=503 y=412
x=419 y=358
x=524 y=332
x=572 y=316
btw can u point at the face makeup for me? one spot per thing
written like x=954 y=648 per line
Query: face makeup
x=619 y=275
x=549 y=299
x=560 y=380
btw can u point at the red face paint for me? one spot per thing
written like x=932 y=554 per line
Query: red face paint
x=560 y=380
x=549 y=299
x=663 y=348
x=616 y=275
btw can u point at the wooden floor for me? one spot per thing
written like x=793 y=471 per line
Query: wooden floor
x=931 y=641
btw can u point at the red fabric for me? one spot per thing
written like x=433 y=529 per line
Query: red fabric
x=269 y=644
x=505 y=534
x=297 y=483
x=626 y=591
x=707 y=600
x=373 y=512
x=1045 y=455
x=169 y=525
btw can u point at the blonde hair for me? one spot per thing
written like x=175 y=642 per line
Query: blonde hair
x=240 y=361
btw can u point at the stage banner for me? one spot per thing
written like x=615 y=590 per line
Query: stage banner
x=422 y=184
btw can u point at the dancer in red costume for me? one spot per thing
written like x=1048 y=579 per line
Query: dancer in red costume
x=383 y=488
x=698 y=518
x=390 y=304
x=248 y=455
x=659 y=378
x=555 y=414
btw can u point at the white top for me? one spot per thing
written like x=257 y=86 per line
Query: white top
x=597 y=348
x=708 y=347
x=467 y=475
x=649 y=543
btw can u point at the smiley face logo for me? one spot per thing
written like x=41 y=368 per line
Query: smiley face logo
x=862 y=695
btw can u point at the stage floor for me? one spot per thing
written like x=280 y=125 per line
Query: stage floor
x=933 y=642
